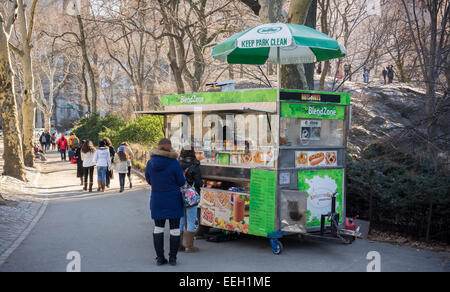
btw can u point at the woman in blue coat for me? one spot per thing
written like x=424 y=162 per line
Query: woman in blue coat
x=164 y=174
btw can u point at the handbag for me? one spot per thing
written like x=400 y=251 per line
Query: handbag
x=190 y=196
x=74 y=160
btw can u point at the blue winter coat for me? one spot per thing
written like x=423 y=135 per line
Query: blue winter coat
x=164 y=174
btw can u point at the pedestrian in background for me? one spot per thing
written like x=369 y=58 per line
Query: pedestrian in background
x=87 y=156
x=130 y=154
x=164 y=174
x=80 y=173
x=191 y=168
x=53 y=139
x=390 y=74
x=366 y=75
x=43 y=142
x=74 y=143
x=121 y=162
x=102 y=160
x=63 y=145
x=384 y=73
x=48 y=141
x=112 y=153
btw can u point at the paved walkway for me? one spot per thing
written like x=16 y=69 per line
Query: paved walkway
x=113 y=232
x=22 y=207
x=27 y=202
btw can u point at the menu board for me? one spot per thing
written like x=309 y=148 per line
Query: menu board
x=263 y=186
x=315 y=159
x=225 y=210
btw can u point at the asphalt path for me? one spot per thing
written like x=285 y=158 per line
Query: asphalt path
x=112 y=232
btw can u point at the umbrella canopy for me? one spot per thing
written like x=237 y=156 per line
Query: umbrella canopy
x=297 y=43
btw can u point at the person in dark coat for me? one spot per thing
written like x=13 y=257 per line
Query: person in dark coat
x=193 y=174
x=390 y=74
x=112 y=153
x=48 y=141
x=80 y=172
x=43 y=141
x=164 y=174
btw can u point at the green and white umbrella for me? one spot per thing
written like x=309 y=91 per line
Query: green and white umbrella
x=295 y=43
x=281 y=43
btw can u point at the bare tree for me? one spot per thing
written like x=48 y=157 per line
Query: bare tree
x=25 y=27
x=132 y=49
x=48 y=66
x=13 y=153
x=428 y=26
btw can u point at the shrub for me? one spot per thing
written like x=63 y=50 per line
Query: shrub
x=144 y=130
x=403 y=190
x=93 y=127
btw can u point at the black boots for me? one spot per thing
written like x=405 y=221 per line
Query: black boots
x=174 y=246
x=158 y=242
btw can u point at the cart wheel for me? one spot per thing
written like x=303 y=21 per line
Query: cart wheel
x=277 y=246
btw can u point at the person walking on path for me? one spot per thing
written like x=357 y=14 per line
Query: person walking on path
x=191 y=168
x=53 y=139
x=74 y=143
x=385 y=72
x=164 y=174
x=102 y=159
x=121 y=162
x=63 y=145
x=48 y=141
x=43 y=142
x=366 y=75
x=112 y=154
x=80 y=173
x=390 y=74
x=87 y=156
x=130 y=154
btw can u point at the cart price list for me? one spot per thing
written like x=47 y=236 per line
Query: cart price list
x=262 y=202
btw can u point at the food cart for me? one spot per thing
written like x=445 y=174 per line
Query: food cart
x=273 y=161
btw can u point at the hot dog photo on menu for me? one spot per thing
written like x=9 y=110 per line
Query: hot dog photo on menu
x=315 y=158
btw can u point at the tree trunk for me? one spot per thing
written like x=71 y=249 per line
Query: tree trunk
x=294 y=76
x=47 y=121
x=271 y=11
x=12 y=154
x=86 y=89
x=29 y=104
x=88 y=64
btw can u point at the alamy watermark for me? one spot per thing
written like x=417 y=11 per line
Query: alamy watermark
x=375 y=262
x=74 y=265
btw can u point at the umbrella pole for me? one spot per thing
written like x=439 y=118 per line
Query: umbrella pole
x=278 y=102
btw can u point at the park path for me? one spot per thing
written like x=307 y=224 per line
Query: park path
x=113 y=232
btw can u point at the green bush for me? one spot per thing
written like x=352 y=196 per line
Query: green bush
x=93 y=127
x=144 y=130
x=403 y=189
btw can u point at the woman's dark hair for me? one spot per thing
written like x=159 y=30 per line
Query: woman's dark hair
x=165 y=144
x=88 y=147
x=187 y=152
x=122 y=156
x=107 y=141
x=102 y=143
